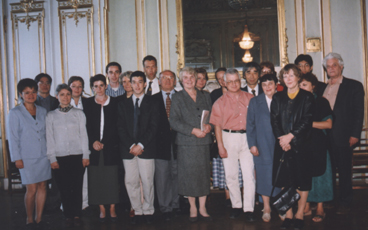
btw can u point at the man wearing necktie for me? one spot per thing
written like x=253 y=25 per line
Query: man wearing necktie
x=138 y=119
x=166 y=170
x=150 y=69
x=251 y=72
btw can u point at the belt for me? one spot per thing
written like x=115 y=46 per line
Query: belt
x=234 y=131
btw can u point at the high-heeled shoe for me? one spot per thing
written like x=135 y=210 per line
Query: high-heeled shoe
x=205 y=218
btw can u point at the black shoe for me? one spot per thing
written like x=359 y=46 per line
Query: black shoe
x=149 y=219
x=31 y=226
x=286 y=224
x=235 y=212
x=135 y=219
x=102 y=220
x=205 y=218
x=114 y=219
x=249 y=217
x=41 y=225
x=298 y=224
x=177 y=211
x=193 y=219
x=166 y=216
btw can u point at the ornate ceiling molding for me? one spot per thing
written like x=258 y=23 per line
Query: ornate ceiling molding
x=74 y=4
x=27 y=7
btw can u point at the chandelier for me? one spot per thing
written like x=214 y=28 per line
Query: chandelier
x=247 y=57
x=246 y=43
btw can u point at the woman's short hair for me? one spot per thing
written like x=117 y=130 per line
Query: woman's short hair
x=97 y=77
x=304 y=57
x=189 y=70
x=269 y=65
x=332 y=56
x=26 y=82
x=232 y=71
x=310 y=77
x=202 y=71
x=75 y=78
x=249 y=65
x=41 y=75
x=286 y=69
x=125 y=74
x=61 y=87
x=269 y=77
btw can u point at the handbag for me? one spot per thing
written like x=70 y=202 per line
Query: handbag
x=286 y=199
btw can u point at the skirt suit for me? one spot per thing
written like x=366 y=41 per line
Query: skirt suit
x=293 y=116
x=193 y=153
x=27 y=142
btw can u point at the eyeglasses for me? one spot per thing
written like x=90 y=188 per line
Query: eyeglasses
x=233 y=82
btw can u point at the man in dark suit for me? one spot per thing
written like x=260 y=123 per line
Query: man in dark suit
x=305 y=64
x=166 y=168
x=44 y=98
x=251 y=73
x=138 y=119
x=346 y=97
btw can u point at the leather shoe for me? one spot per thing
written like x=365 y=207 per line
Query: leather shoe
x=235 y=212
x=286 y=224
x=166 y=216
x=134 y=219
x=31 y=226
x=149 y=219
x=298 y=224
x=249 y=217
x=193 y=219
x=41 y=225
x=205 y=218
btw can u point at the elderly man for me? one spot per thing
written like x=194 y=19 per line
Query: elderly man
x=166 y=168
x=229 y=115
x=346 y=97
x=251 y=73
x=305 y=64
x=114 y=89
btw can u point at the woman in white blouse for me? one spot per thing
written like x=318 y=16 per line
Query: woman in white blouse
x=67 y=150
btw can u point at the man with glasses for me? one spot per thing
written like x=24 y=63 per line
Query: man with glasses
x=229 y=115
x=305 y=64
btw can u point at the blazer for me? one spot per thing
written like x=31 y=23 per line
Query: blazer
x=54 y=103
x=110 y=138
x=185 y=114
x=27 y=136
x=259 y=129
x=148 y=126
x=215 y=94
x=165 y=135
x=348 y=112
x=260 y=90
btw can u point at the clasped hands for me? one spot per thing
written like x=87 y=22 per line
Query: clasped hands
x=285 y=140
x=199 y=133
x=136 y=150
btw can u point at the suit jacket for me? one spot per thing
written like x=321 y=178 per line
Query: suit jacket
x=320 y=88
x=348 y=112
x=215 y=94
x=148 y=125
x=260 y=90
x=110 y=138
x=165 y=135
x=185 y=114
x=259 y=129
x=54 y=103
x=27 y=136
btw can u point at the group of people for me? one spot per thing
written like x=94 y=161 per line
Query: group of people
x=157 y=132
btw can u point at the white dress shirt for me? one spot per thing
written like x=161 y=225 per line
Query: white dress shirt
x=154 y=86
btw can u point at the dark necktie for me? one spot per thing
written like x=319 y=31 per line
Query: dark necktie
x=149 y=90
x=254 y=92
x=136 y=117
x=168 y=105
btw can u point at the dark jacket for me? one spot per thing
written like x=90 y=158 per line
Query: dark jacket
x=348 y=112
x=54 y=103
x=260 y=90
x=110 y=133
x=165 y=135
x=148 y=125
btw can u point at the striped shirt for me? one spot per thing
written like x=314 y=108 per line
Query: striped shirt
x=114 y=93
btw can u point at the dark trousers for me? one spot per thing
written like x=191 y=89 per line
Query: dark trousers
x=69 y=178
x=342 y=162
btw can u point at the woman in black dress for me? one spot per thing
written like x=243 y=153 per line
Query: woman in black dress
x=291 y=119
x=103 y=183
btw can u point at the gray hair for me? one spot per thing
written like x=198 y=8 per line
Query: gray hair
x=61 y=87
x=332 y=56
x=125 y=74
x=166 y=70
x=231 y=71
x=189 y=70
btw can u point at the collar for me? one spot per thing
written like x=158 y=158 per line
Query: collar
x=338 y=81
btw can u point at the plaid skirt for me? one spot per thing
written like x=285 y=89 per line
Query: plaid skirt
x=218 y=174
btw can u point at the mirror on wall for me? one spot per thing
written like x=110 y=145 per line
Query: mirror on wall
x=212 y=30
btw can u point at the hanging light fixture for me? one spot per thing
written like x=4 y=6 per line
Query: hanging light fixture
x=247 y=57
x=246 y=43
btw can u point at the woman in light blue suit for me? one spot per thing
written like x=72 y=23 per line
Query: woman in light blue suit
x=27 y=144
x=261 y=140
